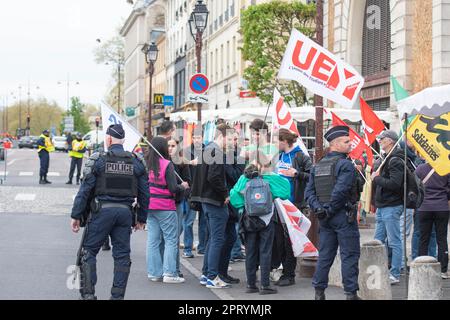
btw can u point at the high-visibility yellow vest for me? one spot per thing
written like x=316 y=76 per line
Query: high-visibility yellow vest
x=76 y=147
x=49 y=147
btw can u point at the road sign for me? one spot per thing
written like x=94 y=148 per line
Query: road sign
x=197 y=98
x=168 y=101
x=158 y=99
x=199 y=83
x=247 y=94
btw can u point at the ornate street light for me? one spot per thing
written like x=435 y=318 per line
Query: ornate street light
x=151 y=55
x=197 y=25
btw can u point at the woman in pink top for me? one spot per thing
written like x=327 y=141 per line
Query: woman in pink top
x=162 y=222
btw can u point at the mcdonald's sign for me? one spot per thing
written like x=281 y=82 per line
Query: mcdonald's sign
x=158 y=99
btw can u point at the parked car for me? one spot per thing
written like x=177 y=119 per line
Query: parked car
x=91 y=139
x=35 y=141
x=27 y=142
x=60 y=143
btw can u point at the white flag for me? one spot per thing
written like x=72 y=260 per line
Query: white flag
x=298 y=226
x=320 y=71
x=109 y=117
x=282 y=118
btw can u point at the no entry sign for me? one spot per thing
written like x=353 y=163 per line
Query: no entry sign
x=199 y=83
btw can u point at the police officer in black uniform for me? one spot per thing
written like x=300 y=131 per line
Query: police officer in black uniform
x=115 y=178
x=331 y=193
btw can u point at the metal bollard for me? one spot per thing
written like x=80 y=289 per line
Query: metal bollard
x=425 y=281
x=374 y=272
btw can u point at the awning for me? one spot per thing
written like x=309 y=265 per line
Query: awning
x=431 y=102
x=300 y=114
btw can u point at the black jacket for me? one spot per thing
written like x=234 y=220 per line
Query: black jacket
x=209 y=180
x=185 y=174
x=303 y=165
x=389 y=184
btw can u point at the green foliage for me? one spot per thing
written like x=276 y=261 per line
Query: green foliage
x=266 y=29
x=77 y=112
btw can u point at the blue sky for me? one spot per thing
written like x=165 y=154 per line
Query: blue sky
x=47 y=40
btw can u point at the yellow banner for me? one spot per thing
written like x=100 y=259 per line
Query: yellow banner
x=431 y=138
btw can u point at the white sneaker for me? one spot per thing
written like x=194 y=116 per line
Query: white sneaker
x=445 y=275
x=217 y=283
x=176 y=279
x=393 y=280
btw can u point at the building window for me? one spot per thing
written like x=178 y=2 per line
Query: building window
x=180 y=86
x=379 y=104
x=376 y=54
x=234 y=53
x=228 y=58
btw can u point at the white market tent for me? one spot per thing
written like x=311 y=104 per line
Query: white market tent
x=431 y=102
x=300 y=114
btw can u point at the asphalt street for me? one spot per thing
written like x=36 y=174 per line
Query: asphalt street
x=38 y=248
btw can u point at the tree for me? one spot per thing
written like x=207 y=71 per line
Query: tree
x=112 y=52
x=80 y=122
x=43 y=115
x=266 y=29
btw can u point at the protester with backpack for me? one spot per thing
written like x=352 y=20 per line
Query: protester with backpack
x=388 y=183
x=434 y=211
x=295 y=166
x=255 y=190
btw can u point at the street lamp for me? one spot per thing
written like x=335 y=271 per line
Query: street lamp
x=151 y=54
x=197 y=25
x=28 y=129
x=68 y=82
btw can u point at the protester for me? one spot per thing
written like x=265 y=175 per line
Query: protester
x=295 y=166
x=388 y=182
x=259 y=140
x=258 y=232
x=185 y=216
x=193 y=154
x=434 y=211
x=162 y=217
x=167 y=129
x=211 y=191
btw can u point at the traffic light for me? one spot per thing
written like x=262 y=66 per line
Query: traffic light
x=97 y=122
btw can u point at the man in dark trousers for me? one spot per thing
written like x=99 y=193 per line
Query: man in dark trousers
x=76 y=154
x=45 y=147
x=116 y=178
x=331 y=193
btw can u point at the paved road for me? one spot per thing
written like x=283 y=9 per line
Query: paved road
x=37 y=246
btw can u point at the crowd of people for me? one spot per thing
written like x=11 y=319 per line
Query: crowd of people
x=215 y=181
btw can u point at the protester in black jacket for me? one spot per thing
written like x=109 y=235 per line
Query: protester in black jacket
x=388 y=182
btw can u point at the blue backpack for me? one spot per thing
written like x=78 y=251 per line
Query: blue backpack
x=258 y=198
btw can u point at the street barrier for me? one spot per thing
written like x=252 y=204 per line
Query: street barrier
x=374 y=272
x=425 y=281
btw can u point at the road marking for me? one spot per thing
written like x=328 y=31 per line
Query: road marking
x=25 y=197
x=54 y=214
x=26 y=174
x=220 y=293
x=11 y=162
x=53 y=174
x=3 y=173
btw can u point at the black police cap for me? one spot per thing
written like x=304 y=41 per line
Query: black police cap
x=336 y=132
x=116 y=131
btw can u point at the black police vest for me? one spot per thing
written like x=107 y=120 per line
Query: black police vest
x=117 y=179
x=325 y=178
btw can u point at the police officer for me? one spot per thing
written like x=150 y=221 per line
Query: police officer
x=331 y=194
x=76 y=154
x=45 y=146
x=115 y=178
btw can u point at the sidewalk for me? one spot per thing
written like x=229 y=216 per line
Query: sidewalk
x=302 y=290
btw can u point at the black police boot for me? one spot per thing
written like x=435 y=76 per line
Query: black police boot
x=69 y=182
x=41 y=180
x=106 y=246
x=78 y=181
x=320 y=294
x=352 y=296
x=267 y=290
x=88 y=296
x=46 y=181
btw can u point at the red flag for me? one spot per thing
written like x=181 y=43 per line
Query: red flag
x=372 y=125
x=369 y=157
x=358 y=145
